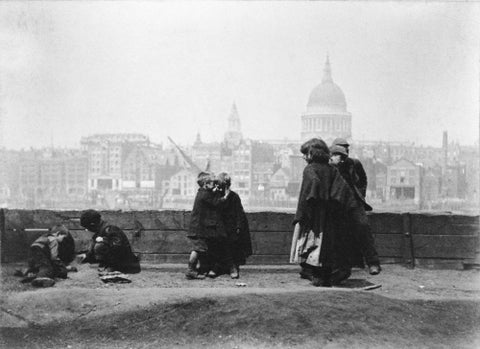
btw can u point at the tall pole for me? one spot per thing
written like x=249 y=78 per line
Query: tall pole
x=477 y=259
x=185 y=156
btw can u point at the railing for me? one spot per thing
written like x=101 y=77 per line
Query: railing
x=437 y=239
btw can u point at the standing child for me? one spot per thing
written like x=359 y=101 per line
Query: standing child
x=357 y=221
x=324 y=197
x=238 y=242
x=206 y=225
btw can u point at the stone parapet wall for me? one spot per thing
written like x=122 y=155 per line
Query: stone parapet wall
x=437 y=240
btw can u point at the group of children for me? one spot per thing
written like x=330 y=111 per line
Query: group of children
x=332 y=234
x=218 y=230
x=51 y=254
x=331 y=228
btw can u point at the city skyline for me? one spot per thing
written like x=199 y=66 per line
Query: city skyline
x=408 y=71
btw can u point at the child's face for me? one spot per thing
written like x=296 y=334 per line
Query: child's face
x=60 y=237
x=209 y=185
x=335 y=159
x=307 y=157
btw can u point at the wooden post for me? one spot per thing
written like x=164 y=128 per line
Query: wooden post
x=2 y=236
x=408 y=248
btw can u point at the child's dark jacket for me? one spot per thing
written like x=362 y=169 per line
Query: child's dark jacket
x=236 y=225
x=206 y=220
x=120 y=255
x=44 y=258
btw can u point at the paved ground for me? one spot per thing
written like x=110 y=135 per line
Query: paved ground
x=267 y=307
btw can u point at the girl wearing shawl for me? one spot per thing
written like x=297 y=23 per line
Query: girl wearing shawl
x=238 y=243
x=324 y=197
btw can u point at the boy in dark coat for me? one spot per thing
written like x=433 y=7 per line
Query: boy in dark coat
x=238 y=242
x=206 y=227
x=49 y=256
x=358 y=222
x=110 y=246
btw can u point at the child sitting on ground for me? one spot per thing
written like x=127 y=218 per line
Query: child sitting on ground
x=50 y=255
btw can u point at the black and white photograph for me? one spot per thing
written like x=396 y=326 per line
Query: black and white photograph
x=239 y=174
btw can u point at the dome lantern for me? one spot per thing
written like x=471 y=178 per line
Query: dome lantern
x=327 y=72
x=327 y=95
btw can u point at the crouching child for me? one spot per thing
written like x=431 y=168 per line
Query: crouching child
x=49 y=257
x=110 y=247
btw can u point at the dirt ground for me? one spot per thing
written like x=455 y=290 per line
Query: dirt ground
x=274 y=308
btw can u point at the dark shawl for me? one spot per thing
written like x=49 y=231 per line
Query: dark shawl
x=361 y=182
x=324 y=198
x=236 y=225
x=354 y=174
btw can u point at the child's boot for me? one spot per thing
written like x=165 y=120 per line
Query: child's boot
x=43 y=282
x=191 y=273
x=234 y=272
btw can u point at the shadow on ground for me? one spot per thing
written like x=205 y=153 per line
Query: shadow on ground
x=309 y=319
x=153 y=312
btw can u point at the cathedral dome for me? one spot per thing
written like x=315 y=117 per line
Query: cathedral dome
x=327 y=95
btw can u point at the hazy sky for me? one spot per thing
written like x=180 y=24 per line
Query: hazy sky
x=70 y=69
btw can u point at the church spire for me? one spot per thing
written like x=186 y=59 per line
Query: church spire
x=327 y=71
x=198 y=139
x=234 y=119
x=233 y=136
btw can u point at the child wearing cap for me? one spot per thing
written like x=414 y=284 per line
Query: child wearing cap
x=354 y=174
x=110 y=247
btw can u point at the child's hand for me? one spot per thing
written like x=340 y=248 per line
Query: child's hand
x=81 y=257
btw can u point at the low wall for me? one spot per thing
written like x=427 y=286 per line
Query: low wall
x=437 y=240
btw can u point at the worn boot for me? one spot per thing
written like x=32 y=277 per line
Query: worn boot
x=327 y=277
x=191 y=273
x=43 y=282
x=28 y=278
x=374 y=269
x=316 y=277
x=306 y=273
x=21 y=272
x=322 y=277
x=71 y=269
x=234 y=274
x=340 y=275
